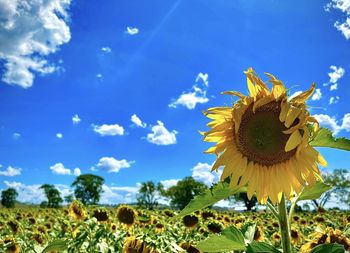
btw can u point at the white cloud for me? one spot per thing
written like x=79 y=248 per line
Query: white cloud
x=99 y=76
x=197 y=95
x=109 y=130
x=10 y=171
x=113 y=165
x=297 y=93
x=344 y=27
x=106 y=49
x=113 y=194
x=33 y=193
x=161 y=136
x=59 y=169
x=30 y=31
x=77 y=172
x=202 y=173
x=334 y=100
x=169 y=183
x=59 y=135
x=27 y=193
x=16 y=136
x=333 y=87
x=343 y=6
x=336 y=74
x=132 y=30
x=137 y=121
x=331 y=122
x=76 y=119
x=317 y=95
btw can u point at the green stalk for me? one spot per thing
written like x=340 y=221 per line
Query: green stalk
x=284 y=226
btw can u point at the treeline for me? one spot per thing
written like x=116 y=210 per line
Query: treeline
x=88 y=189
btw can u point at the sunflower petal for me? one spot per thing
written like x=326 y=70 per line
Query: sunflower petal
x=278 y=88
x=303 y=97
x=293 y=141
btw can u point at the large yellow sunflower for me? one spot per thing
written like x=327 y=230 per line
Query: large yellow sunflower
x=263 y=140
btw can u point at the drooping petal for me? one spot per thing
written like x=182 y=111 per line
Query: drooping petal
x=293 y=141
x=303 y=97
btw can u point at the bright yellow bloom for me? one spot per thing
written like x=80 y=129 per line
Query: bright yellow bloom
x=263 y=140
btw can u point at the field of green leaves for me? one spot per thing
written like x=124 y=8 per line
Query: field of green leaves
x=127 y=229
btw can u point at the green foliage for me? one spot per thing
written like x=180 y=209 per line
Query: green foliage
x=248 y=231
x=328 y=248
x=184 y=191
x=314 y=191
x=324 y=138
x=149 y=194
x=57 y=245
x=8 y=197
x=218 y=192
x=88 y=188
x=53 y=196
x=261 y=247
x=230 y=239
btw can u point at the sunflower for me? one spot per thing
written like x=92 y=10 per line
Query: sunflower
x=263 y=140
x=190 y=221
x=77 y=210
x=134 y=245
x=126 y=215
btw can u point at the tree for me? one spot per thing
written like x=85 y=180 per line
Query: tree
x=243 y=197
x=8 y=197
x=184 y=191
x=88 y=188
x=69 y=198
x=53 y=196
x=149 y=194
x=340 y=182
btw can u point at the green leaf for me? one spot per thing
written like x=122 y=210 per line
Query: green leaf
x=328 y=248
x=58 y=245
x=248 y=231
x=261 y=247
x=230 y=239
x=314 y=191
x=218 y=192
x=324 y=138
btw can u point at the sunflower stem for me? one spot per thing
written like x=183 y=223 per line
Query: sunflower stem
x=284 y=226
x=273 y=209
x=291 y=212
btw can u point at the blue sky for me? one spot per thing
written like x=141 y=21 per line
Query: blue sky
x=162 y=61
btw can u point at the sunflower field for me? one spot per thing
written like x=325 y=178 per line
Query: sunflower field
x=128 y=229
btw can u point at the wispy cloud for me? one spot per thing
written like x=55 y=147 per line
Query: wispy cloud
x=29 y=35
x=317 y=95
x=197 y=95
x=161 y=136
x=334 y=100
x=137 y=121
x=106 y=50
x=132 y=30
x=16 y=136
x=76 y=119
x=342 y=25
x=113 y=165
x=108 y=130
x=10 y=171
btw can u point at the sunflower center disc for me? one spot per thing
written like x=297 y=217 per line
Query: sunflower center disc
x=260 y=135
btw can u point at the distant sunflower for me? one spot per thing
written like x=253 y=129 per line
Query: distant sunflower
x=263 y=140
x=126 y=215
x=77 y=210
